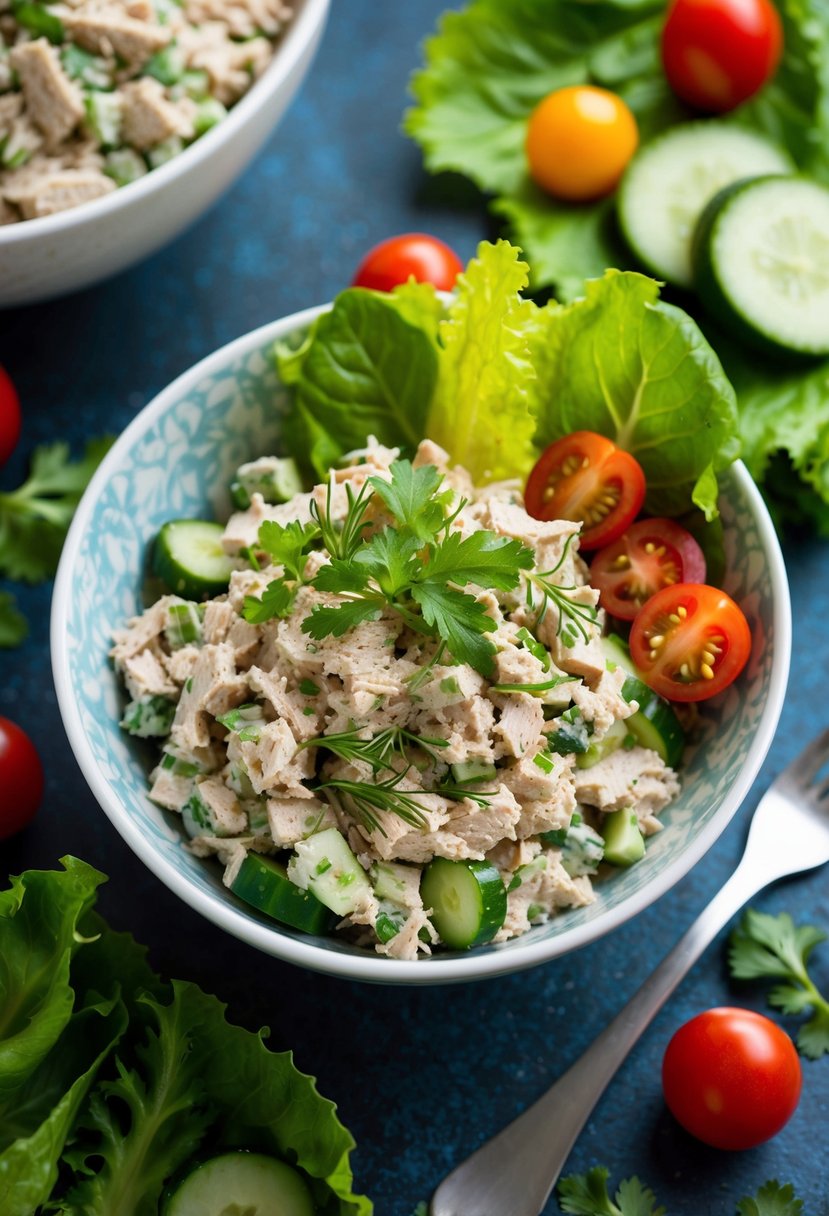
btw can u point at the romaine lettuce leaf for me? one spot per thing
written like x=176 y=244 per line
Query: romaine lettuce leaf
x=624 y=363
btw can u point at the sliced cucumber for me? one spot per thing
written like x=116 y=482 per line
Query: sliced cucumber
x=467 y=898
x=624 y=844
x=276 y=478
x=672 y=178
x=655 y=725
x=761 y=263
x=581 y=848
x=609 y=743
x=239 y=1182
x=264 y=883
x=189 y=557
x=473 y=770
x=326 y=866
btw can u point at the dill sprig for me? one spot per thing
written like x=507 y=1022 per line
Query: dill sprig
x=379 y=750
x=575 y=620
x=364 y=798
x=343 y=540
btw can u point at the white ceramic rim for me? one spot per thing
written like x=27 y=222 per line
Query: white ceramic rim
x=289 y=51
x=372 y=968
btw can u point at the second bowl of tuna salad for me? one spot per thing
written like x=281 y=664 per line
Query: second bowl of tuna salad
x=120 y=122
x=369 y=715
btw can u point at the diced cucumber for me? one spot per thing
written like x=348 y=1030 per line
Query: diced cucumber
x=183 y=626
x=246 y=721
x=582 y=850
x=88 y=69
x=672 y=178
x=527 y=871
x=761 y=262
x=325 y=865
x=149 y=718
x=37 y=19
x=263 y=883
x=189 y=557
x=166 y=65
x=195 y=83
x=609 y=743
x=467 y=898
x=571 y=734
x=124 y=165
x=167 y=150
x=209 y=113
x=390 y=879
x=390 y=920
x=276 y=478
x=103 y=117
x=624 y=843
x=177 y=767
x=655 y=725
x=469 y=771
x=249 y=1184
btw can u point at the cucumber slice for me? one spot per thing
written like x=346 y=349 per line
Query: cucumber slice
x=624 y=844
x=672 y=178
x=248 y=1183
x=655 y=725
x=325 y=865
x=467 y=898
x=263 y=883
x=761 y=261
x=609 y=743
x=473 y=770
x=189 y=557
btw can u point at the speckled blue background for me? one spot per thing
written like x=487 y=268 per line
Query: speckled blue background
x=421 y=1077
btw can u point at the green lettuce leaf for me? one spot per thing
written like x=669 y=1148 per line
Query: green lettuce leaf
x=483 y=409
x=624 y=363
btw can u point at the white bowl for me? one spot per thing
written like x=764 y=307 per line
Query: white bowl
x=61 y=253
x=175 y=460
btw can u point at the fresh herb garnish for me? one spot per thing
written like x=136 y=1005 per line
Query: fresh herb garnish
x=378 y=750
x=13 y=625
x=772 y=1199
x=541 y=686
x=587 y=1195
x=765 y=946
x=287 y=545
x=366 y=797
x=343 y=540
x=575 y=620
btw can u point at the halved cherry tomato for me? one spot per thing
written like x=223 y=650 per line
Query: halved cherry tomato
x=689 y=642
x=21 y=779
x=579 y=141
x=650 y=555
x=731 y=1077
x=718 y=53
x=587 y=478
x=9 y=417
x=412 y=255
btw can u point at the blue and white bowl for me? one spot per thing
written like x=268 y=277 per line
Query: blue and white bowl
x=176 y=460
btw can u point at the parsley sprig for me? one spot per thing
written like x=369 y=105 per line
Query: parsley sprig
x=288 y=546
x=13 y=625
x=765 y=946
x=587 y=1195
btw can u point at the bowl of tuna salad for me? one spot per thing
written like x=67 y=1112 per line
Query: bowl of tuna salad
x=376 y=723
x=121 y=121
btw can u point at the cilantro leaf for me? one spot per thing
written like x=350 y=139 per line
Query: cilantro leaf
x=287 y=544
x=410 y=496
x=35 y=517
x=277 y=601
x=587 y=1195
x=773 y=946
x=337 y=620
x=772 y=1199
x=13 y=624
x=461 y=621
x=482 y=558
x=387 y=557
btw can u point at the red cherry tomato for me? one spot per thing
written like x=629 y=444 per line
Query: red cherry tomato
x=21 y=779
x=650 y=555
x=718 y=53
x=413 y=255
x=9 y=417
x=731 y=1077
x=587 y=478
x=689 y=641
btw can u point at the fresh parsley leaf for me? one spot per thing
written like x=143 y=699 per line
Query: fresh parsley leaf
x=410 y=496
x=342 y=576
x=765 y=946
x=277 y=601
x=14 y=627
x=288 y=544
x=772 y=1199
x=337 y=620
x=482 y=558
x=35 y=517
x=388 y=559
x=587 y=1195
x=461 y=621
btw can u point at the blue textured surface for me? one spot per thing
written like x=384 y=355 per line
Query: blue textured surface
x=421 y=1077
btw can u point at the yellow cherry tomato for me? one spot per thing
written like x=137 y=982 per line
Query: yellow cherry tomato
x=579 y=141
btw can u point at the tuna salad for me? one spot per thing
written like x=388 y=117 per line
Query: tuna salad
x=96 y=93
x=386 y=706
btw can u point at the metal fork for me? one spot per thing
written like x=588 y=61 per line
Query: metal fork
x=515 y=1171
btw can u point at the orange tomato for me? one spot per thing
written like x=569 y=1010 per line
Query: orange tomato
x=579 y=141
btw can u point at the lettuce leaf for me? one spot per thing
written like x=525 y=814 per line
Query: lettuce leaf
x=622 y=362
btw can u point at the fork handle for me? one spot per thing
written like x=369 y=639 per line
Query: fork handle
x=516 y=1170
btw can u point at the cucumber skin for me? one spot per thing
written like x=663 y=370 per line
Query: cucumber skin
x=493 y=899
x=182 y=582
x=709 y=287
x=169 y=1201
x=301 y=911
x=624 y=843
x=654 y=711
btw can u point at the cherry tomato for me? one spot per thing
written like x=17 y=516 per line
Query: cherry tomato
x=587 y=478
x=579 y=141
x=689 y=641
x=413 y=255
x=9 y=417
x=718 y=53
x=731 y=1077
x=21 y=779
x=650 y=555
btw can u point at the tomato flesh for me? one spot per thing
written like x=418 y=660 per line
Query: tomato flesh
x=21 y=779
x=587 y=478
x=690 y=641
x=412 y=255
x=649 y=555
x=731 y=1077
x=579 y=141
x=9 y=417
x=718 y=53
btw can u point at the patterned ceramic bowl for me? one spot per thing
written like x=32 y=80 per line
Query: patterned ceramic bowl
x=175 y=460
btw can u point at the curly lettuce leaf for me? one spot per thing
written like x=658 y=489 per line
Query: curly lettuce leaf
x=483 y=409
x=622 y=362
